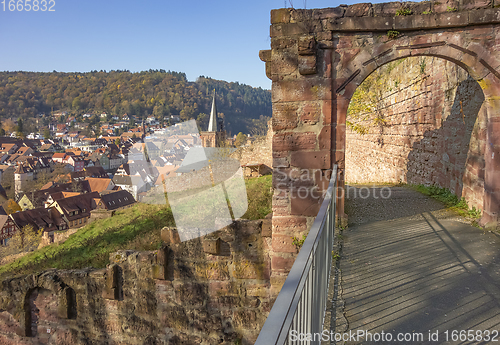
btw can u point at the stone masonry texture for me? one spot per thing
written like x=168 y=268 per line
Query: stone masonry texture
x=319 y=57
x=433 y=129
x=211 y=290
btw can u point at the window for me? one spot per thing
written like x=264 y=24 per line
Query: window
x=80 y=221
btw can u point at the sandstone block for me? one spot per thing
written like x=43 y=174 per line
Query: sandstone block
x=279 y=263
x=307 y=45
x=280 y=16
x=211 y=245
x=267 y=228
x=308 y=89
x=282 y=43
x=294 y=141
x=246 y=269
x=475 y=4
x=327 y=13
x=265 y=55
x=289 y=224
x=306 y=202
x=442 y=6
x=283 y=243
x=310 y=113
x=311 y=159
x=359 y=10
x=284 y=62
x=170 y=235
x=307 y=65
x=284 y=116
x=387 y=9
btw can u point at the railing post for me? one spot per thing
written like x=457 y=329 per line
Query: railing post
x=301 y=304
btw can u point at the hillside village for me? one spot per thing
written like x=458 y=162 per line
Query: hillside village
x=66 y=181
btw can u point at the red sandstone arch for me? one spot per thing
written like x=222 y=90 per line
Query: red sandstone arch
x=45 y=297
x=319 y=57
x=471 y=56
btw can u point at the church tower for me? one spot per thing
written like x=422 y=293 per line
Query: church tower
x=215 y=136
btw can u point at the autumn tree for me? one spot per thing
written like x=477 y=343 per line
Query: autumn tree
x=8 y=125
x=11 y=206
x=24 y=240
x=241 y=139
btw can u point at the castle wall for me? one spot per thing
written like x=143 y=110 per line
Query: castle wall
x=259 y=151
x=431 y=128
x=209 y=290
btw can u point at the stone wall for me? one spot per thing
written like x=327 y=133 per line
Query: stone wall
x=319 y=57
x=259 y=151
x=432 y=128
x=212 y=290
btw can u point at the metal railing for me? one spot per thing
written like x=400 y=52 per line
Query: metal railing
x=300 y=306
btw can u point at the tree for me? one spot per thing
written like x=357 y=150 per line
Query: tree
x=11 y=206
x=202 y=121
x=118 y=142
x=2 y=132
x=46 y=133
x=241 y=139
x=25 y=240
x=8 y=125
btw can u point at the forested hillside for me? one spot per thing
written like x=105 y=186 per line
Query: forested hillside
x=157 y=92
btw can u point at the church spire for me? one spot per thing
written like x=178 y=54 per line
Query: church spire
x=212 y=125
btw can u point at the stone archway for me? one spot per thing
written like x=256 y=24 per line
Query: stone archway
x=39 y=300
x=319 y=57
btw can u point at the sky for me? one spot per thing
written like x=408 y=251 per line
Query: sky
x=217 y=39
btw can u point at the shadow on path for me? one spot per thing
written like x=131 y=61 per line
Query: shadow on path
x=418 y=274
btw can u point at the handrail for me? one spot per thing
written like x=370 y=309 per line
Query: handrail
x=301 y=304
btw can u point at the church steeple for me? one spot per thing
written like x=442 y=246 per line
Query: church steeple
x=212 y=125
x=215 y=136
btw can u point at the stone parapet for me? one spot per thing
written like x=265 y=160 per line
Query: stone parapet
x=214 y=289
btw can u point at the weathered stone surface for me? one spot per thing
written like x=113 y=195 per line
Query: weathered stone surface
x=312 y=159
x=265 y=55
x=294 y=141
x=475 y=4
x=447 y=153
x=353 y=41
x=198 y=305
x=280 y=16
x=307 y=65
x=307 y=45
x=361 y=24
x=211 y=246
x=359 y=10
x=491 y=15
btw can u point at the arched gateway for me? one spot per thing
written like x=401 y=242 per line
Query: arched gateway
x=317 y=59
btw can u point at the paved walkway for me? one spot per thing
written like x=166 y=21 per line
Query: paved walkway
x=427 y=271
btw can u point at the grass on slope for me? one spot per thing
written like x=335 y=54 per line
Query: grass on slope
x=136 y=228
x=449 y=199
x=259 y=195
